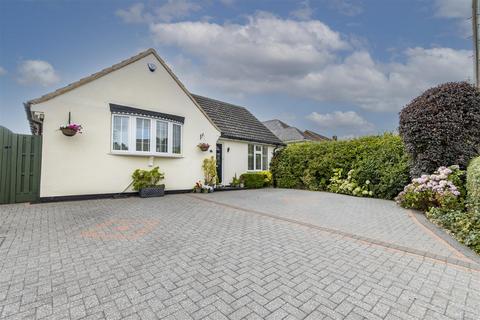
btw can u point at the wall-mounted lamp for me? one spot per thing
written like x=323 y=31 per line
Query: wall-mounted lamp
x=38 y=115
x=228 y=149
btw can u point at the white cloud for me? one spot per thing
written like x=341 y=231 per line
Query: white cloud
x=347 y=7
x=167 y=12
x=37 y=72
x=304 y=12
x=265 y=47
x=339 y=120
x=458 y=10
x=2 y=71
x=453 y=8
x=305 y=58
x=134 y=14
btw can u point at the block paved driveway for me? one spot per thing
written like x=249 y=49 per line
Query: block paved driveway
x=263 y=254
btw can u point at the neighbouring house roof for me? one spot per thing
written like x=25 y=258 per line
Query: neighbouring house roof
x=289 y=134
x=283 y=131
x=314 y=136
x=236 y=122
x=36 y=127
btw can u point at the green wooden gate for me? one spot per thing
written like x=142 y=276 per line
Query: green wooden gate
x=20 y=157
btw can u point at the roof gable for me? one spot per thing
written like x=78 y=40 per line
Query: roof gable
x=236 y=122
x=110 y=69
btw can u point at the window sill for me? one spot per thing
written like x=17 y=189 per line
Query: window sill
x=146 y=154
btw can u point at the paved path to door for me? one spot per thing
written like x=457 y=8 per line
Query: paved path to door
x=217 y=257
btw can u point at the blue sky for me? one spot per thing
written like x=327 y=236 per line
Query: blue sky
x=339 y=67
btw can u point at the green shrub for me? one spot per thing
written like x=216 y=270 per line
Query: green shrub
x=267 y=178
x=209 y=168
x=440 y=190
x=146 y=178
x=441 y=127
x=378 y=159
x=473 y=185
x=254 y=180
x=464 y=225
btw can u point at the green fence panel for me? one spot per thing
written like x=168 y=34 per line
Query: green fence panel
x=19 y=167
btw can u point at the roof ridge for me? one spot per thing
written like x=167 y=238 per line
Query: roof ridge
x=91 y=77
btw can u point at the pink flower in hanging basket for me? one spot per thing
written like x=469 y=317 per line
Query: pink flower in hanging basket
x=77 y=128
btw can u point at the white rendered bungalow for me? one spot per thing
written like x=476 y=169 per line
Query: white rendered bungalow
x=137 y=114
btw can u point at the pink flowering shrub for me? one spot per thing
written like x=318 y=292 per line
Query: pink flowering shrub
x=442 y=189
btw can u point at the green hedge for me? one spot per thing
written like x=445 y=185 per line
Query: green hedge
x=253 y=180
x=377 y=161
x=473 y=185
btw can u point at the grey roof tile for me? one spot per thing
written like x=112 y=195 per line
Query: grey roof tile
x=236 y=122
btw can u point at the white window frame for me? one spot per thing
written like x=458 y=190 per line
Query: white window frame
x=128 y=134
x=255 y=152
x=132 y=129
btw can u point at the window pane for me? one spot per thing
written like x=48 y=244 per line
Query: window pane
x=264 y=158
x=250 y=157
x=143 y=135
x=120 y=133
x=258 y=161
x=176 y=139
x=125 y=121
x=258 y=148
x=162 y=136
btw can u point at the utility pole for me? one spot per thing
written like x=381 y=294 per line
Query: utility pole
x=476 y=53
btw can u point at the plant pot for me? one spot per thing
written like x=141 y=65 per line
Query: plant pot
x=68 y=132
x=197 y=190
x=156 y=191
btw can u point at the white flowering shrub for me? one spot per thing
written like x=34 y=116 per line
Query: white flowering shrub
x=442 y=189
x=349 y=185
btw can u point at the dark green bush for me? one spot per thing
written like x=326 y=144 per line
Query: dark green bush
x=253 y=180
x=473 y=185
x=441 y=127
x=379 y=159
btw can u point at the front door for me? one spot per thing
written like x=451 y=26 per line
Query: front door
x=219 y=163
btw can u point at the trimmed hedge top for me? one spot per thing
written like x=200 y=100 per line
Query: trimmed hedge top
x=377 y=161
x=473 y=185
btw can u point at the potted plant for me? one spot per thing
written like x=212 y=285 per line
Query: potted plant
x=203 y=146
x=71 y=129
x=146 y=182
x=198 y=187
x=209 y=168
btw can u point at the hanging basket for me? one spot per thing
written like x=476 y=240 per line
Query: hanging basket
x=69 y=132
x=203 y=146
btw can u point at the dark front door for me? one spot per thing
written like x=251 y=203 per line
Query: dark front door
x=219 y=163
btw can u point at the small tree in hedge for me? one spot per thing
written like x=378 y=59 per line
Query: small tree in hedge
x=441 y=127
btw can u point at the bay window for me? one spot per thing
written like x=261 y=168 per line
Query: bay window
x=141 y=135
x=257 y=157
